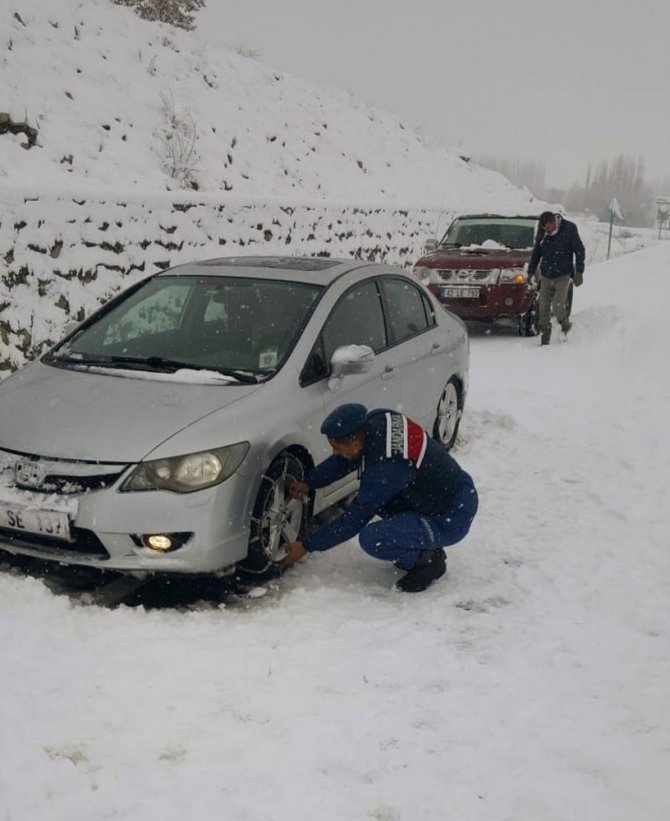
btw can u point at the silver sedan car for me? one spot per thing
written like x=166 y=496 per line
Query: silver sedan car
x=157 y=437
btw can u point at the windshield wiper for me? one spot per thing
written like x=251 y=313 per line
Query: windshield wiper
x=75 y=358
x=163 y=362
x=156 y=363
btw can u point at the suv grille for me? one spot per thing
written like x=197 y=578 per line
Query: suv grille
x=458 y=276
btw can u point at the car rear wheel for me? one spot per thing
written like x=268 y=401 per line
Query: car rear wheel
x=449 y=411
x=528 y=322
x=276 y=517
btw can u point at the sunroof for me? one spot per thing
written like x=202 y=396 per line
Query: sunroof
x=286 y=263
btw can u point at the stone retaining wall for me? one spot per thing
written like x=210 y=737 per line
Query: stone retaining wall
x=63 y=256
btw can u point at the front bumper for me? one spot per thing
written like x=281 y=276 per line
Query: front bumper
x=106 y=527
x=493 y=301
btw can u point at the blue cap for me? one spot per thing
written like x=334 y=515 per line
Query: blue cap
x=344 y=420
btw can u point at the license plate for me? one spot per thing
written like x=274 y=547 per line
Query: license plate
x=459 y=293
x=42 y=522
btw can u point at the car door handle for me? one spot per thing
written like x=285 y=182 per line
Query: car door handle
x=389 y=372
x=437 y=347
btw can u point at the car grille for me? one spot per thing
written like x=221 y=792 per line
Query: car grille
x=62 y=476
x=85 y=542
x=66 y=485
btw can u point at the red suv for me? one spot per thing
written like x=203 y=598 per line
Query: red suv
x=478 y=269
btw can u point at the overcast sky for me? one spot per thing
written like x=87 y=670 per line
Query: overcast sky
x=564 y=82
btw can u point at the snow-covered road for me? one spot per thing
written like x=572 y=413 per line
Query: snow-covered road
x=531 y=683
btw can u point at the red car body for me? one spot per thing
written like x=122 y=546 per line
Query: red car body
x=478 y=269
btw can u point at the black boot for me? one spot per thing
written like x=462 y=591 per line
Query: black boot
x=430 y=565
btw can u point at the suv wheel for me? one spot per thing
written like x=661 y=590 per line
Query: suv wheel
x=276 y=518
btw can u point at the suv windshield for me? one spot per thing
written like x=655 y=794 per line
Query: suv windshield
x=238 y=326
x=510 y=232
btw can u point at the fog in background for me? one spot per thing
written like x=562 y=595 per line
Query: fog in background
x=564 y=85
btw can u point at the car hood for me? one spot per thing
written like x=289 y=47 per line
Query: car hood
x=475 y=258
x=73 y=414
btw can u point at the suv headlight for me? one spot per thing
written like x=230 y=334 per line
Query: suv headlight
x=421 y=274
x=426 y=276
x=515 y=275
x=185 y=474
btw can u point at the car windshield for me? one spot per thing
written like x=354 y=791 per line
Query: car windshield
x=511 y=232
x=241 y=327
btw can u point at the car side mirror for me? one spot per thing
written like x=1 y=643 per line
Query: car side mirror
x=347 y=360
x=429 y=246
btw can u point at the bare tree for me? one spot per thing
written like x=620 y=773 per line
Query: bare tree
x=178 y=13
x=520 y=172
x=179 y=141
x=623 y=178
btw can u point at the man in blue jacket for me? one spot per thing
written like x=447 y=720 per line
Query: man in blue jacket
x=561 y=251
x=424 y=500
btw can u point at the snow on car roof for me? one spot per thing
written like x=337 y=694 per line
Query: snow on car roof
x=497 y=216
x=320 y=270
x=286 y=263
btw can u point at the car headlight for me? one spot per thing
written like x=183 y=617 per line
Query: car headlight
x=515 y=275
x=185 y=474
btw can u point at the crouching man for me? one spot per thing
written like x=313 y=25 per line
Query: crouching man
x=425 y=501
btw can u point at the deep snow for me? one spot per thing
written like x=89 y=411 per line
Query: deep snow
x=123 y=104
x=531 y=683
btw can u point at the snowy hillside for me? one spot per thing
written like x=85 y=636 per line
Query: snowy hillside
x=529 y=684
x=115 y=102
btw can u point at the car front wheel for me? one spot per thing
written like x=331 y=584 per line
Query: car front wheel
x=448 y=417
x=276 y=518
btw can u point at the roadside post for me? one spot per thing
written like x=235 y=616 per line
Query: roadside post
x=615 y=211
x=662 y=211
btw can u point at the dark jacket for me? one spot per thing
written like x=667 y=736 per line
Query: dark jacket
x=401 y=469
x=557 y=251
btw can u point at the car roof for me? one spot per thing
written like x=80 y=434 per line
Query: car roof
x=317 y=270
x=497 y=216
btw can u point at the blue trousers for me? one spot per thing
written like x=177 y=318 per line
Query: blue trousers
x=401 y=537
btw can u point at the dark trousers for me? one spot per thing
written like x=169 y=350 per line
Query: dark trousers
x=401 y=537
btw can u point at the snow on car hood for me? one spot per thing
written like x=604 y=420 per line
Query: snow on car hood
x=75 y=414
x=473 y=256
